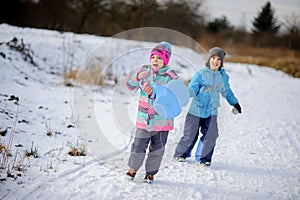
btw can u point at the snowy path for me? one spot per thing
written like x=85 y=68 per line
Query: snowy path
x=257 y=157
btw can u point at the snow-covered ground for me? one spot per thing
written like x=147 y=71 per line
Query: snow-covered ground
x=257 y=154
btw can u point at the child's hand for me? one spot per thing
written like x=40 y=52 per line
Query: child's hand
x=147 y=88
x=237 y=108
x=142 y=75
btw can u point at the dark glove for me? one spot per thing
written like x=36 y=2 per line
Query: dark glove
x=238 y=107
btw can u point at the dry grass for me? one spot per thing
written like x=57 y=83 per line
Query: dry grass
x=83 y=76
x=77 y=149
x=77 y=152
x=285 y=60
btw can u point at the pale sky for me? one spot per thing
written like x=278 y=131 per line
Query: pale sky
x=241 y=13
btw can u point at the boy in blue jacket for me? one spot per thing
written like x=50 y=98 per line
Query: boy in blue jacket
x=205 y=88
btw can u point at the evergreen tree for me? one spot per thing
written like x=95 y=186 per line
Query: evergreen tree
x=265 y=22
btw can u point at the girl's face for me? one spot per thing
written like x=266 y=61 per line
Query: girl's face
x=215 y=63
x=156 y=62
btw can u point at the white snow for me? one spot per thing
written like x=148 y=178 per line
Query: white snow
x=256 y=157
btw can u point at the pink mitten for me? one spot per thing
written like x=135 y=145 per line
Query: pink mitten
x=147 y=88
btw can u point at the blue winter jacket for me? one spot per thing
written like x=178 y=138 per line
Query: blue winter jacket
x=205 y=88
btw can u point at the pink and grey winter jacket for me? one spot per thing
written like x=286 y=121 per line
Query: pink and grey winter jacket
x=147 y=118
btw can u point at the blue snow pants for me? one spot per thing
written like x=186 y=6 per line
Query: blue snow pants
x=156 y=140
x=209 y=129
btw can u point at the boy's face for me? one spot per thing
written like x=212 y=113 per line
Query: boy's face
x=215 y=63
x=156 y=62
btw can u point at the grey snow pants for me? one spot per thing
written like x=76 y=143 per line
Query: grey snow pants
x=156 y=140
x=209 y=130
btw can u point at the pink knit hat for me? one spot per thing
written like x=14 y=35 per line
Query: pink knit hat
x=163 y=50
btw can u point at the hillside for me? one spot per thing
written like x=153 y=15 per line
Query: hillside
x=42 y=122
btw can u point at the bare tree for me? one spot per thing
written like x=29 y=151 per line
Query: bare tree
x=292 y=35
x=85 y=8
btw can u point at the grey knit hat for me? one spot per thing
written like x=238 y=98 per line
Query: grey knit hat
x=216 y=51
